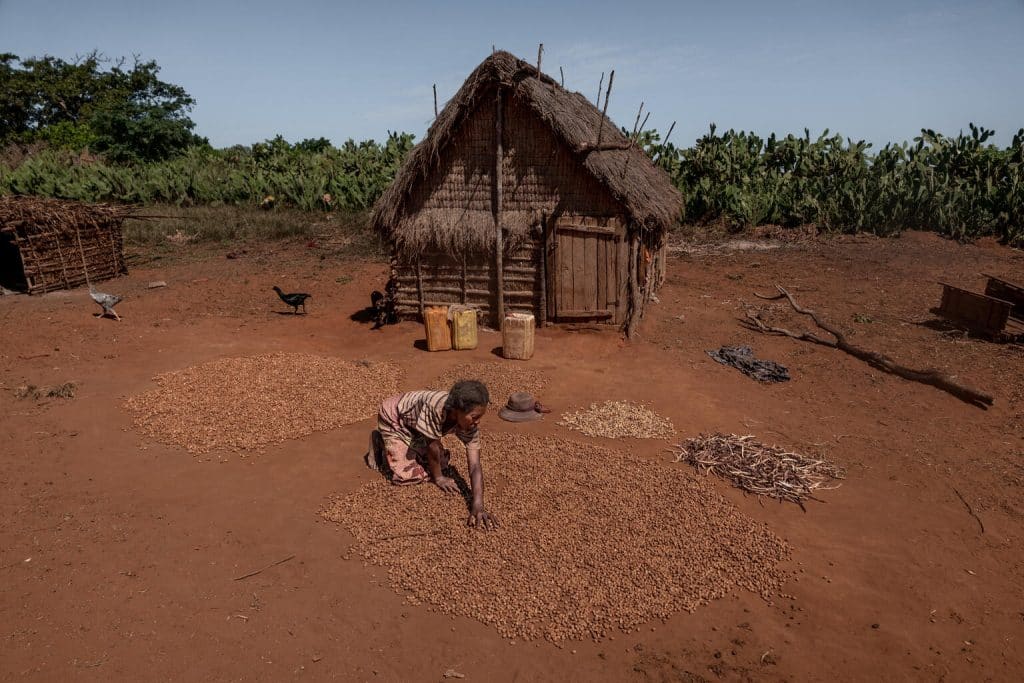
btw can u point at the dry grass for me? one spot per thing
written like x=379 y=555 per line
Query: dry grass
x=244 y=404
x=500 y=377
x=619 y=420
x=756 y=468
x=591 y=540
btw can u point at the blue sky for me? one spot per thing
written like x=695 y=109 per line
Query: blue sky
x=871 y=70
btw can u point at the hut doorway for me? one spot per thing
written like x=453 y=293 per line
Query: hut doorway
x=586 y=265
x=12 y=272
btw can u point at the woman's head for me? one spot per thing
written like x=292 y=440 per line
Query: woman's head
x=467 y=403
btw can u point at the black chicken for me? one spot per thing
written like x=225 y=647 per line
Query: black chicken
x=294 y=300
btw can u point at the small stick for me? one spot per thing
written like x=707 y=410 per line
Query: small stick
x=604 y=112
x=969 y=510
x=636 y=123
x=600 y=84
x=540 y=51
x=665 y=141
x=435 y=100
x=273 y=564
x=562 y=74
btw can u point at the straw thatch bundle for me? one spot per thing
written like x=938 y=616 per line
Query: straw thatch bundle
x=48 y=244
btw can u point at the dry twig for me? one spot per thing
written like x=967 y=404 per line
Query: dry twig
x=259 y=571
x=935 y=378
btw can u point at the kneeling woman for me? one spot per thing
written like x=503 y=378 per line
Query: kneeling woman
x=408 y=440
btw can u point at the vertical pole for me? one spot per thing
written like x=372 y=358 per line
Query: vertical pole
x=435 y=100
x=498 y=237
x=542 y=316
x=419 y=288
x=464 y=294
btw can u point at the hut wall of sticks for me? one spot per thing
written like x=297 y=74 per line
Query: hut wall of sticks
x=582 y=211
x=51 y=244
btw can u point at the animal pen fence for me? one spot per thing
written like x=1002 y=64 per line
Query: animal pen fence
x=50 y=244
x=525 y=197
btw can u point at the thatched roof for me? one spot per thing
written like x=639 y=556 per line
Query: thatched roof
x=644 y=191
x=37 y=215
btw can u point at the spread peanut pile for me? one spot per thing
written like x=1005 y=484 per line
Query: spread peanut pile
x=591 y=540
x=244 y=404
x=501 y=378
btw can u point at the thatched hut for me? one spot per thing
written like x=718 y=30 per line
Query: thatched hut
x=48 y=244
x=583 y=212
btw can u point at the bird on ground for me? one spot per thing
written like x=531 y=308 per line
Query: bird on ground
x=106 y=301
x=294 y=300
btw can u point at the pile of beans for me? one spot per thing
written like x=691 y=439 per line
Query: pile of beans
x=619 y=420
x=591 y=540
x=242 y=404
x=501 y=377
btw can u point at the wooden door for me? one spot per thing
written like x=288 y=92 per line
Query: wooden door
x=585 y=259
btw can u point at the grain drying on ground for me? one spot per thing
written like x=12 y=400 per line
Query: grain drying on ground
x=249 y=403
x=619 y=420
x=756 y=468
x=591 y=540
x=501 y=378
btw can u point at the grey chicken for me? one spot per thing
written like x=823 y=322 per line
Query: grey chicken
x=294 y=300
x=106 y=301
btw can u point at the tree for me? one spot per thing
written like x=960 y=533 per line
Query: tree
x=127 y=113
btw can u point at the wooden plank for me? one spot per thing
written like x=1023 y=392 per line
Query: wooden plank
x=981 y=312
x=611 y=281
x=602 y=274
x=595 y=314
x=589 y=288
x=578 y=272
x=586 y=229
x=564 y=272
x=1007 y=291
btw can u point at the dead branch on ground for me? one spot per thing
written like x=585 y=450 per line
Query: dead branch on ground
x=935 y=378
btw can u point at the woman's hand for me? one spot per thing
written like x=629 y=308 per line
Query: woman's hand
x=482 y=519
x=446 y=484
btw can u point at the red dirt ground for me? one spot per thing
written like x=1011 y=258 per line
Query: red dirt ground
x=118 y=555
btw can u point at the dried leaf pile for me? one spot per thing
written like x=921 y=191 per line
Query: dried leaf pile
x=501 y=378
x=619 y=420
x=757 y=468
x=591 y=540
x=243 y=404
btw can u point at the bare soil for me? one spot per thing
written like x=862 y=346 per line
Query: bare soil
x=119 y=556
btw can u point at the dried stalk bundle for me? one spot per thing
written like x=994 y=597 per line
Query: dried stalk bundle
x=243 y=404
x=37 y=215
x=591 y=541
x=756 y=468
x=619 y=420
x=501 y=379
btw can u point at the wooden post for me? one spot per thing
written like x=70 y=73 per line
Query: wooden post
x=498 y=237
x=604 y=112
x=435 y=100
x=540 y=51
x=562 y=74
x=542 y=316
x=419 y=287
x=463 y=279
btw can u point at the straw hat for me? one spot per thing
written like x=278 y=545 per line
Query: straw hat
x=522 y=407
